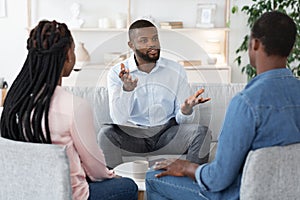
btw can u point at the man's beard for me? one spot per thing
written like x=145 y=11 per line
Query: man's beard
x=146 y=57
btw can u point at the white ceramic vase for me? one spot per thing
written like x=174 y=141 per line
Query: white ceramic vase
x=82 y=55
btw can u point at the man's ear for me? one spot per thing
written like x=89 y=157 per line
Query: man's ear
x=130 y=45
x=256 y=44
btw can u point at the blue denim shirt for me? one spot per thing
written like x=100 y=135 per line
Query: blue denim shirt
x=266 y=113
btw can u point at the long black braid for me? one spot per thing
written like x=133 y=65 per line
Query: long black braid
x=27 y=103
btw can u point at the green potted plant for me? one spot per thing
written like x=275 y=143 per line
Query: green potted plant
x=258 y=7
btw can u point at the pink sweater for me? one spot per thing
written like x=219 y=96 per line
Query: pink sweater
x=71 y=124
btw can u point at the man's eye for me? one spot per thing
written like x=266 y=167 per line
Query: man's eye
x=143 y=40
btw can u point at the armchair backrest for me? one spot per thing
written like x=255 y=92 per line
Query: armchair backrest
x=272 y=173
x=31 y=171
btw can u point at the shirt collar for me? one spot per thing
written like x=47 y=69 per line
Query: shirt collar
x=281 y=72
x=133 y=67
x=274 y=73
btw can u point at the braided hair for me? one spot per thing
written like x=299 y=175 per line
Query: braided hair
x=27 y=103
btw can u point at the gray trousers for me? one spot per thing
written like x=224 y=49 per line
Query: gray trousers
x=191 y=139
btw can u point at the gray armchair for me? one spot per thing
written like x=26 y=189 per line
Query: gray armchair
x=30 y=171
x=272 y=173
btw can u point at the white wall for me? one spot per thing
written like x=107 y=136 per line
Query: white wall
x=13 y=33
x=13 y=37
x=238 y=30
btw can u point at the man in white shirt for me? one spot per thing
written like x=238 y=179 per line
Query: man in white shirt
x=151 y=106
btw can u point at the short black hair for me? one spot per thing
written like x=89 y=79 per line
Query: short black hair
x=277 y=32
x=141 y=23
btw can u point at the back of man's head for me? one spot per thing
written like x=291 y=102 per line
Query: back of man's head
x=141 y=23
x=277 y=32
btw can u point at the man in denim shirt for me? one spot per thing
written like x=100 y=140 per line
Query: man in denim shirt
x=266 y=113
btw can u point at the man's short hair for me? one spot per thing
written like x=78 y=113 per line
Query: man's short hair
x=142 y=23
x=277 y=32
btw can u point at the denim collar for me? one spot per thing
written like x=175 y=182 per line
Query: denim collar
x=274 y=73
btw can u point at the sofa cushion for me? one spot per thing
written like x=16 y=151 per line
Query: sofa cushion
x=211 y=113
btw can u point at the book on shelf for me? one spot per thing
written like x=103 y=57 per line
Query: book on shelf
x=190 y=62
x=170 y=27
x=171 y=24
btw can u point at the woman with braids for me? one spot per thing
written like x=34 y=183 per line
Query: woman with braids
x=38 y=110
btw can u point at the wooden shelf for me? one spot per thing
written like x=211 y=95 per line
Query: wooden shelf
x=196 y=29
x=161 y=29
x=199 y=67
x=98 y=30
x=207 y=67
x=95 y=38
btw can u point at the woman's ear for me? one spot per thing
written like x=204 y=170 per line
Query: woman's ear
x=69 y=63
x=69 y=56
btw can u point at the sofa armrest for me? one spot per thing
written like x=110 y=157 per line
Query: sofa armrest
x=272 y=173
x=98 y=99
x=34 y=171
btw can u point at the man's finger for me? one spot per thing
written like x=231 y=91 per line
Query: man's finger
x=122 y=67
x=123 y=71
x=160 y=165
x=203 y=100
x=165 y=173
x=200 y=100
x=199 y=92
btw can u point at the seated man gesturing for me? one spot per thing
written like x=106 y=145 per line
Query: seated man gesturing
x=151 y=106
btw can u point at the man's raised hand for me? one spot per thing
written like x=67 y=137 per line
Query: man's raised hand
x=128 y=83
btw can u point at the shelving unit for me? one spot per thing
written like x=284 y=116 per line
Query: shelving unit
x=186 y=43
x=98 y=30
x=123 y=29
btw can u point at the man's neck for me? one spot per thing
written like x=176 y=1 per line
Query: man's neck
x=274 y=62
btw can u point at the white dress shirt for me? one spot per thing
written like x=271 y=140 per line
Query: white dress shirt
x=157 y=97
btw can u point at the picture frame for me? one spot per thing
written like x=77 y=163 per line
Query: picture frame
x=2 y=8
x=205 y=15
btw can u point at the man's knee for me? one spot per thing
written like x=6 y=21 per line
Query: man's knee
x=204 y=134
x=204 y=138
x=107 y=133
x=204 y=130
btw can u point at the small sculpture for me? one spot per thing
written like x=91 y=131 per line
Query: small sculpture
x=76 y=21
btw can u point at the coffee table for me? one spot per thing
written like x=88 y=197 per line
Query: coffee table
x=126 y=170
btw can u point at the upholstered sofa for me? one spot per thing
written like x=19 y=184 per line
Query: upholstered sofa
x=210 y=114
